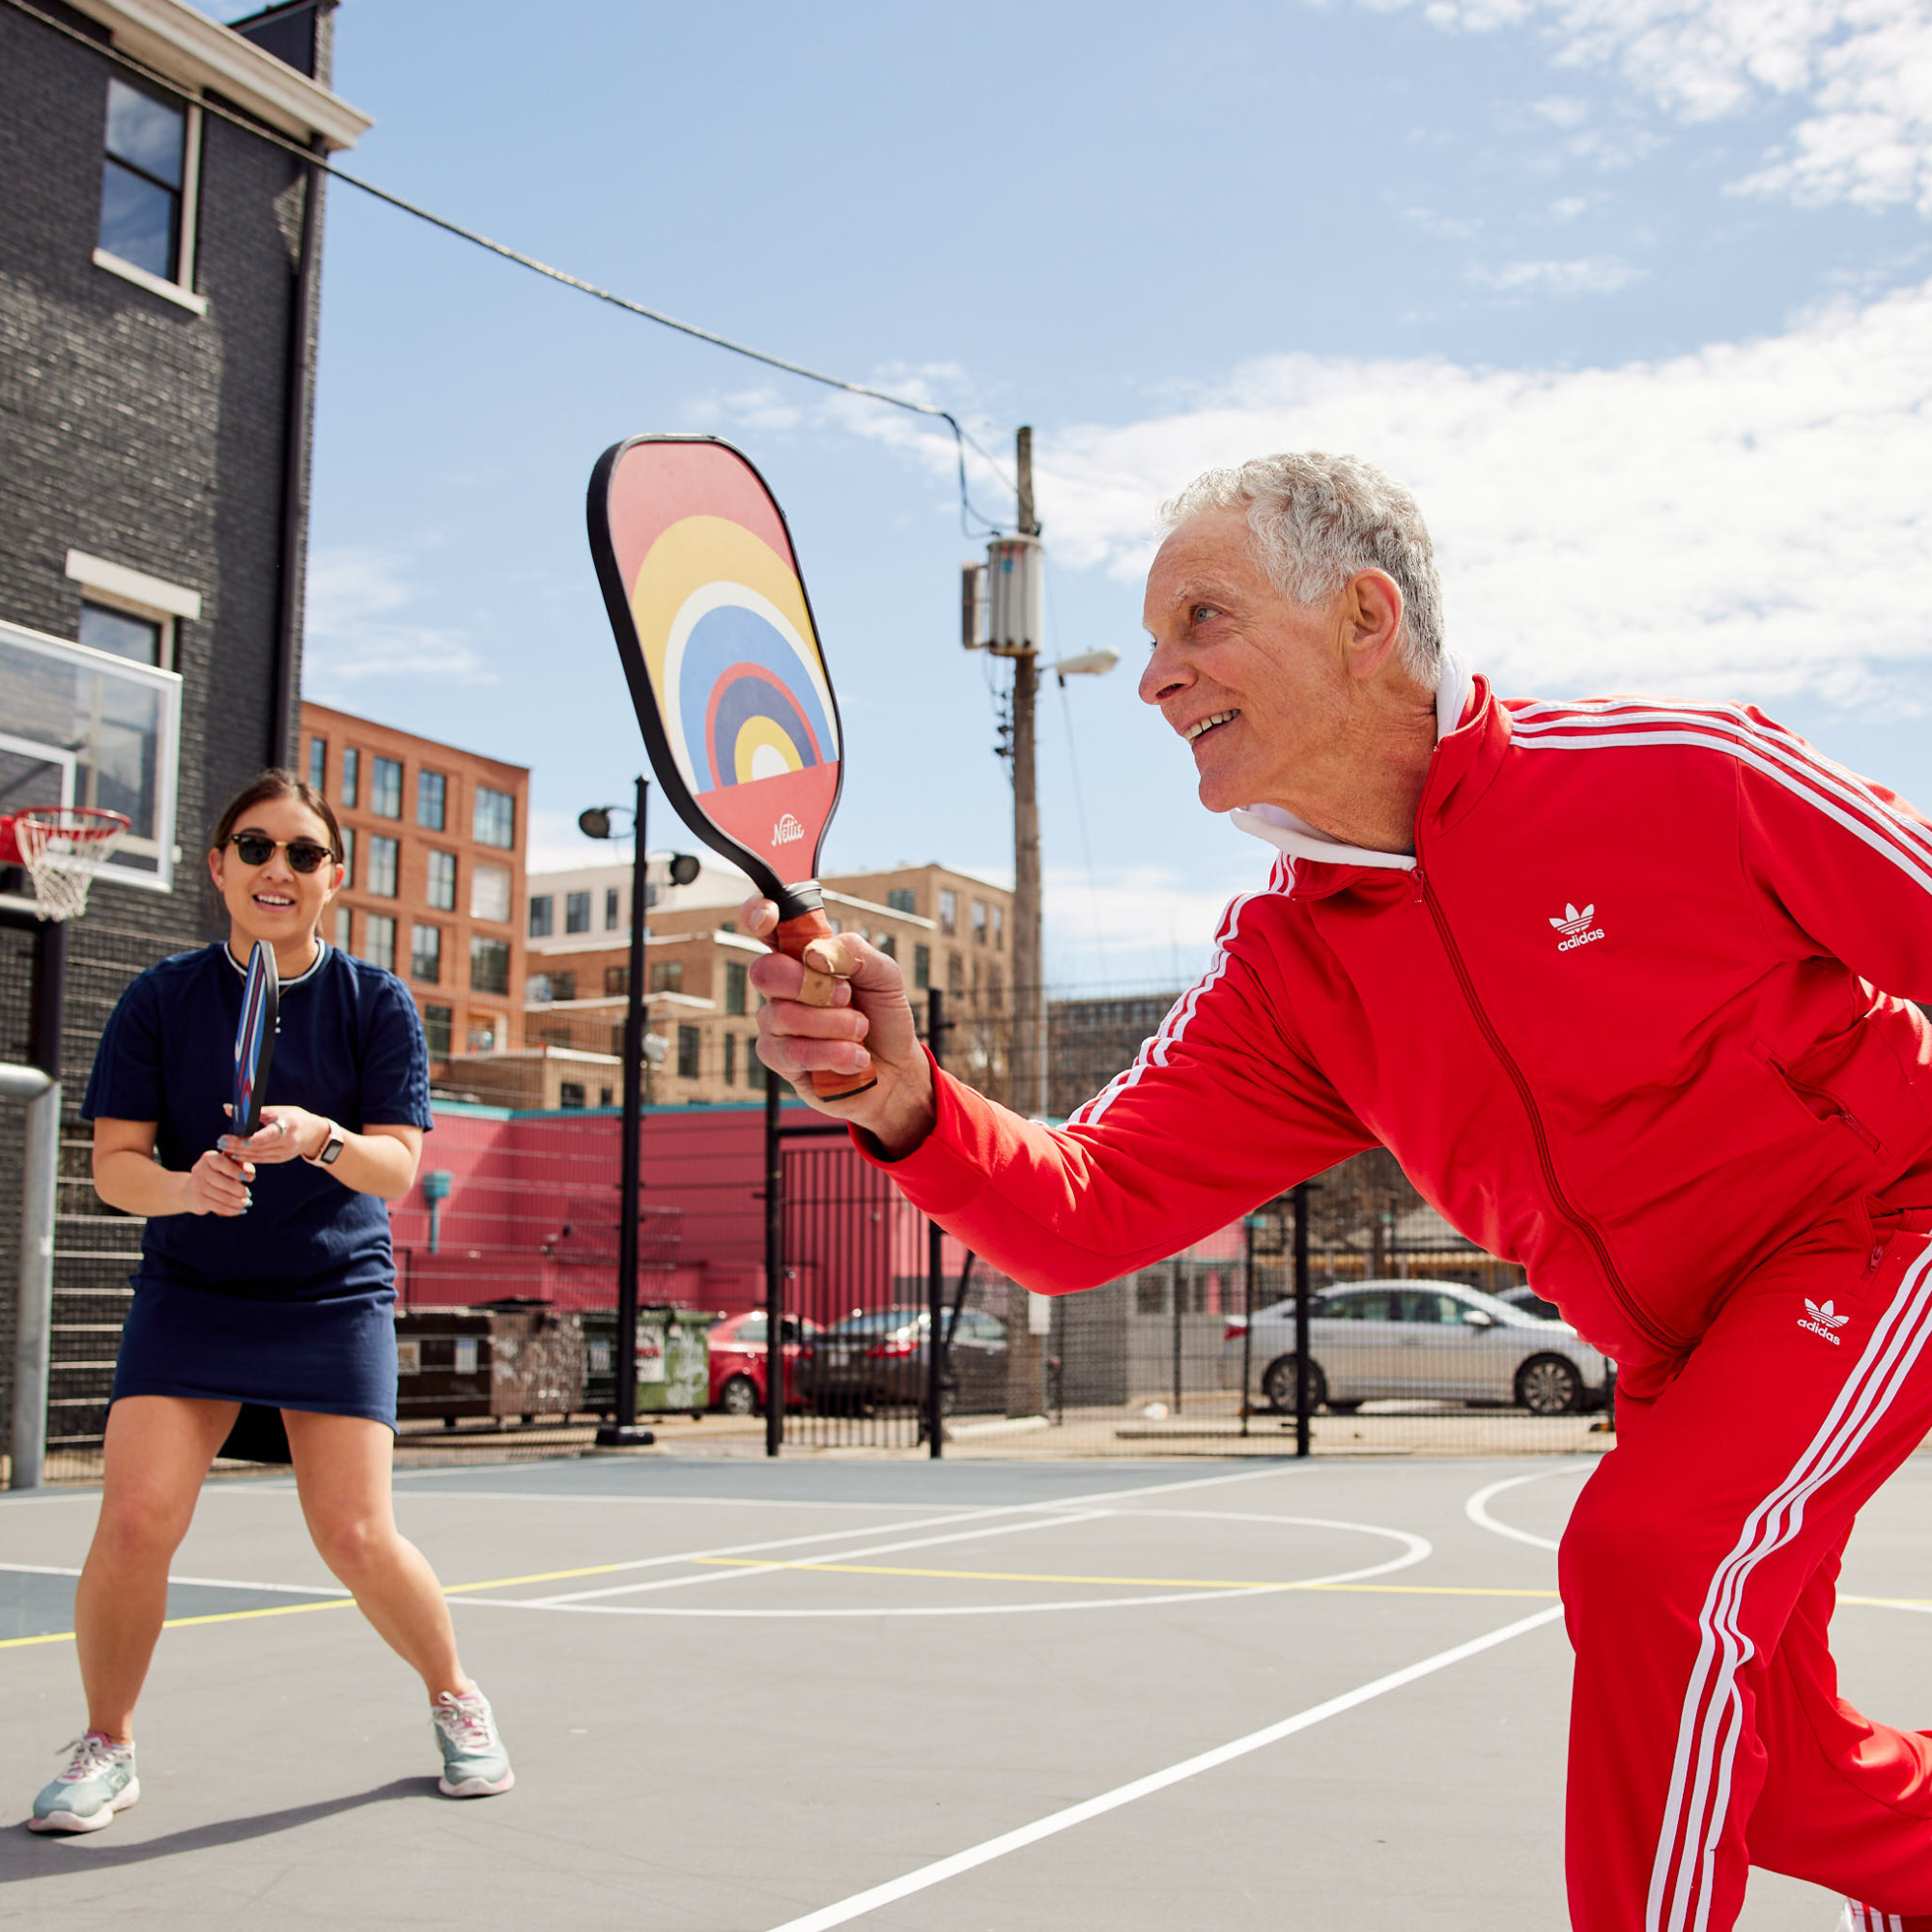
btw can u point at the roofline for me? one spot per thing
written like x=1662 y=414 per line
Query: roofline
x=176 y=40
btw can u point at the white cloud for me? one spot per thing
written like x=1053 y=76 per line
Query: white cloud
x=1592 y=274
x=1860 y=71
x=1567 y=208
x=1563 y=110
x=1748 y=518
x=359 y=627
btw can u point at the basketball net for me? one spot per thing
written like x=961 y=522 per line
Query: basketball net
x=61 y=846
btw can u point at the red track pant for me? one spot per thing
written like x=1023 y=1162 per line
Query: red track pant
x=1699 y=1576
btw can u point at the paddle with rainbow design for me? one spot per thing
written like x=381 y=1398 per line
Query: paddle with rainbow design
x=723 y=657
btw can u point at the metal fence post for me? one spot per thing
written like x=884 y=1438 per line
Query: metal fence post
x=1247 y=1315
x=774 y=1290
x=1302 y=1391
x=938 y=1345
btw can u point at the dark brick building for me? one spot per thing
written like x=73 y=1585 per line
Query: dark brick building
x=158 y=275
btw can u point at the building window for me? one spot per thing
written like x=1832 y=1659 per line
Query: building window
x=570 y=1093
x=426 y=953
x=489 y=965
x=379 y=940
x=123 y=635
x=342 y=917
x=382 y=854
x=485 y=1033
x=610 y=908
x=347 y=857
x=536 y=989
x=979 y=921
x=889 y=945
x=490 y=893
x=436 y=1024
x=543 y=913
x=431 y=801
x=144 y=174
x=955 y=975
x=577 y=912
x=668 y=976
x=996 y=989
x=440 y=881
x=318 y=763
x=921 y=967
x=737 y=986
x=689 y=1040
x=999 y=928
x=603 y=1096
x=949 y=911
x=352 y=766
x=385 y=787
x=617 y=981
x=495 y=821
x=730 y=1060
x=754 y=1070
x=564 y=985
x=902 y=898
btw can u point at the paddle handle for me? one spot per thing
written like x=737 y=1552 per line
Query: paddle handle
x=827 y=959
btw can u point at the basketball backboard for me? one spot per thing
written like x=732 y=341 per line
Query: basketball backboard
x=81 y=727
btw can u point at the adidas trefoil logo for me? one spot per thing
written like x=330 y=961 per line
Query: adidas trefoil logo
x=1822 y=1321
x=1576 y=929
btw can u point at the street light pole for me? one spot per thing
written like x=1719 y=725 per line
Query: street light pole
x=1030 y=1085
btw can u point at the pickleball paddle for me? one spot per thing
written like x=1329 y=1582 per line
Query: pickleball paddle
x=255 y=1038
x=728 y=675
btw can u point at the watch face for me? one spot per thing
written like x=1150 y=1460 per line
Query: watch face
x=331 y=1151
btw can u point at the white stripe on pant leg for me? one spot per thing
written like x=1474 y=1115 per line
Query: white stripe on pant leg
x=1866 y=1392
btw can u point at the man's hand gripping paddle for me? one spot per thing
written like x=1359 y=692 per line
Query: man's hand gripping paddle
x=255 y=1038
x=725 y=670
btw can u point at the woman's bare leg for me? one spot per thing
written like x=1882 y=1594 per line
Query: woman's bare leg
x=157 y=1452
x=342 y=1471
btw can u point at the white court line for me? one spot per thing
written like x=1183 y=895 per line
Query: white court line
x=198 y=1582
x=1476 y=1509
x=942 y=1869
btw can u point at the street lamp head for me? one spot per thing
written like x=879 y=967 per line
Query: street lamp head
x=684 y=868
x=595 y=823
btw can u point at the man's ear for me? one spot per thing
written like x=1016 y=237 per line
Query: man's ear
x=1372 y=610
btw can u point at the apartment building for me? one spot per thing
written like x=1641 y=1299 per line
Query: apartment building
x=700 y=1005
x=436 y=838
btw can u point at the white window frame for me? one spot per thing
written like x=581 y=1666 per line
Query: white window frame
x=178 y=288
x=120 y=587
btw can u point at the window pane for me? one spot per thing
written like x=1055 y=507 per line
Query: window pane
x=737 y=984
x=426 y=953
x=318 y=763
x=137 y=221
x=577 y=912
x=617 y=981
x=431 y=800
x=385 y=787
x=921 y=967
x=889 y=945
x=496 y=818
x=485 y=1033
x=379 y=940
x=730 y=1060
x=116 y=632
x=489 y=891
x=902 y=900
x=342 y=917
x=755 y=1071
x=610 y=908
x=489 y=965
x=949 y=911
x=352 y=765
x=145 y=132
x=979 y=921
x=564 y=985
x=687 y=1040
x=667 y=978
x=347 y=857
x=381 y=880
x=440 y=881
x=570 y=1093
x=999 y=926
x=543 y=910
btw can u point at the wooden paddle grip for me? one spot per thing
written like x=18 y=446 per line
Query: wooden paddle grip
x=827 y=959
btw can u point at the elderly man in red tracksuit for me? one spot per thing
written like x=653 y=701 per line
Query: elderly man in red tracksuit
x=1624 y=985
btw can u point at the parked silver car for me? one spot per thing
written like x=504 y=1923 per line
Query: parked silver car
x=1377 y=1340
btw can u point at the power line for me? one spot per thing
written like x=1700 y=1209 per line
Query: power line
x=961 y=438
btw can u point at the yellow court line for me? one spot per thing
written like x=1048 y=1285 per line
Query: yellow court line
x=1124 y=1582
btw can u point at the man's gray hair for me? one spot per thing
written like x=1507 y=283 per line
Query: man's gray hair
x=1316 y=520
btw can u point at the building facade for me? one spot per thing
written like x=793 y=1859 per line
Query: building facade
x=947 y=929
x=159 y=265
x=435 y=840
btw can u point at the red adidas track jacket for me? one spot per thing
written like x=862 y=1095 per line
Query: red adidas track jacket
x=1620 y=1019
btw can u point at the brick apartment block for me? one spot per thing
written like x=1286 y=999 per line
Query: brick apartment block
x=435 y=878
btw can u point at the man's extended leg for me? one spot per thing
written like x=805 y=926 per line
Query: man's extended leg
x=1685 y=1559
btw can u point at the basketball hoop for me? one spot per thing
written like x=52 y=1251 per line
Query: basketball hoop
x=61 y=846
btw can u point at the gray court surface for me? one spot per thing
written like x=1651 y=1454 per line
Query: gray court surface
x=972 y=1698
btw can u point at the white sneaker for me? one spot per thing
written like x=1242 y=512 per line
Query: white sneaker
x=474 y=1762
x=98 y=1782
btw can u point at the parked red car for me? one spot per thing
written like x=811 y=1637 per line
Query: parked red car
x=738 y=1361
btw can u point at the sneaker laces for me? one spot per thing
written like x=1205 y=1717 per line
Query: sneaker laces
x=88 y=1756
x=464 y=1721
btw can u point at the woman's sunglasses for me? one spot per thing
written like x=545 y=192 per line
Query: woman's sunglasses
x=257 y=848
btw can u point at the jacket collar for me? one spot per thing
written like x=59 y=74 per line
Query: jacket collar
x=1460 y=700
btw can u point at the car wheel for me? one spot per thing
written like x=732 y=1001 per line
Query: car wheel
x=1548 y=1385
x=739 y=1396
x=1278 y=1386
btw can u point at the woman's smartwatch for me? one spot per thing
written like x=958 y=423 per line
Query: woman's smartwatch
x=331 y=1151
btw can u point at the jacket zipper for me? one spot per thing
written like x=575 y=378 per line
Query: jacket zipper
x=1579 y=1224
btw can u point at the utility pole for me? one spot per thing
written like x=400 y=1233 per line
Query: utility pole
x=1029 y=1059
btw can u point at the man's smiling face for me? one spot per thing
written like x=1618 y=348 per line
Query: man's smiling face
x=1257 y=684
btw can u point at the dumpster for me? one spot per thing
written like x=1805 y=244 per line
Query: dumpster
x=673 y=1361
x=536 y=1359
x=443 y=1364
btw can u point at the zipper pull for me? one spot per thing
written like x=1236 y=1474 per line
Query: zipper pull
x=1416 y=892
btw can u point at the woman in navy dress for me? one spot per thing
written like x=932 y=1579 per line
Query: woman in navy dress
x=266 y=1277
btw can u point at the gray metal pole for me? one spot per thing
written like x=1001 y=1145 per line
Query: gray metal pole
x=1247 y=1316
x=1303 y=1439
x=33 y=1351
x=938 y=1341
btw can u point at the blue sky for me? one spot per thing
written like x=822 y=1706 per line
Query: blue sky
x=1634 y=293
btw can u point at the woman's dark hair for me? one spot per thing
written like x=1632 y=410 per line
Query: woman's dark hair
x=275 y=784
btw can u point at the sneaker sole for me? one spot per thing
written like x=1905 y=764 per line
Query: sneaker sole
x=477 y=1787
x=72 y=1821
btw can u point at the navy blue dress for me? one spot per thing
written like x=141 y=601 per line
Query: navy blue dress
x=292 y=1304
